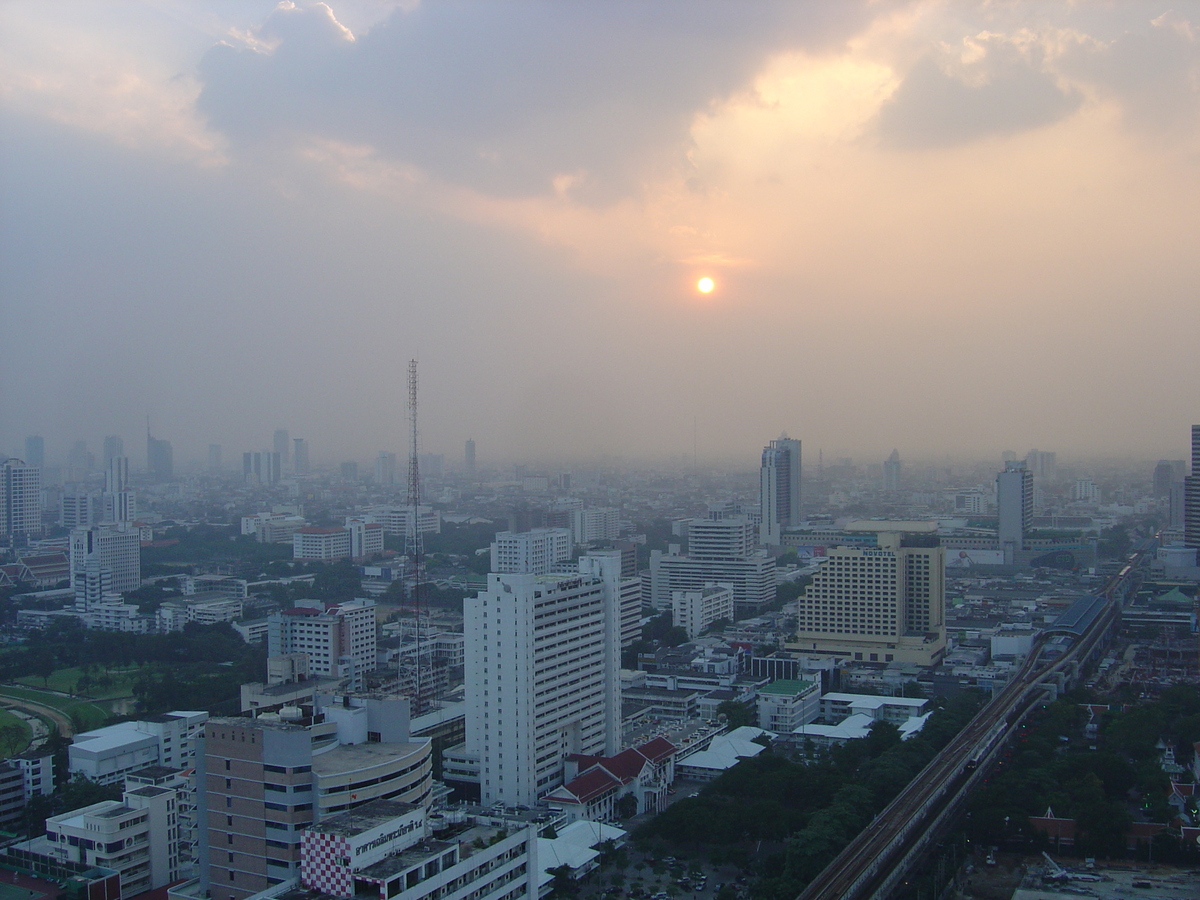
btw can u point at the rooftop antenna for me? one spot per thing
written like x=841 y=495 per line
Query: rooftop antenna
x=412 y=538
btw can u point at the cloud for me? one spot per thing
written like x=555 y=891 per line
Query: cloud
x=934 y=108
x=507 y=98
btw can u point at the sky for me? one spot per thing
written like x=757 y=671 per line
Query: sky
x=941 y=227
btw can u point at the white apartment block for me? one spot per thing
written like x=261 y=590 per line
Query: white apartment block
x=138 y=837
x=366 y=537
x=609 y=565
x=37 y=770
x=595 y=524
x=105 y=559
x=323 y=544
x=883 y=604
x=397 y=520
x=543 y=680
x=107 y=755
x=535 y=552
x=783 y=706
x=752 y=579
x=338 y=639
x=694 y=611
x=20 y=500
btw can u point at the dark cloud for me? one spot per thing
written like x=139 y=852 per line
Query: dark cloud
x=934 y=109
x=1153 y=71
x=504 y=96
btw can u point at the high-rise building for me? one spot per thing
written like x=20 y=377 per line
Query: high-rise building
x=35 y=450
x=105 y=559
x=214 y=458
x=469 y=456
x=300 y=464
x=113 y=446
x=20 y=501
x=263 y=467
x=535 y=552
x=1014 y=505
x=79 y=507
x=339 y=638
x=1191 y=496
x=283 y=446
x=1167 y=473
x=595 y=524
x=118 y=503
x=543 y=680
x=891 y=472
x=720 y=551
x=385 y=469
x=1042 y=463
x=160 y=462
x=611 y=566
x=884 y=604
x=265 y=780
x=779 y=488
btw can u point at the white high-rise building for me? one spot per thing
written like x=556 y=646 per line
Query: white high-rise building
x=118 y=503
x=884 y=604
x=20 y=500
x=595 y=524
x=105 y=559
x=543 y=680
x=779 y=488
x=1014 y=504
x=533 y=552
x=339 y=639
x=611 y=566
x=720 y=551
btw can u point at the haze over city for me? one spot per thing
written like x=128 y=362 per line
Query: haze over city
x=947 y=228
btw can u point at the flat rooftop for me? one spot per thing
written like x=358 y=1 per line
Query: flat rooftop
x=893 y=526
x=370 y=815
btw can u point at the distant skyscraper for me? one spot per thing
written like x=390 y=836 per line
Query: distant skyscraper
x=35 y=451
x=779 y=488
x=263 y=467
x=300 y=463
x=469 y=455
x=1191 y=495
x=113 y=446
x=385 y=468
x=1167 y=473
x=214 y=457
x=1042 y=463
x=80 y=459
x=160 y=462
x=20 y=501
x=117 y=500
x=1014 y=502
x=283 y=446
x=891 y=472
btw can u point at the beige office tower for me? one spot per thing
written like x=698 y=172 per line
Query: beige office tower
x=879 y=605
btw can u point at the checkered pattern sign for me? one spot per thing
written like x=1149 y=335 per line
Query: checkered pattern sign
x=324 y=864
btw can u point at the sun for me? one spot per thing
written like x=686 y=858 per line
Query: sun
x=705 y=285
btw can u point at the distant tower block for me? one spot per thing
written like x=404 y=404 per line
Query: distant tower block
x=779 y=488
x=300 y=464
x=469 y=455
x=281 y=445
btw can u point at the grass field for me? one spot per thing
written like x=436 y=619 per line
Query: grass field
x=87 y=715
x=7 y=718
x=100 y=685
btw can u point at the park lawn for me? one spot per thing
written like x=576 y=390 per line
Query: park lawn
x=86 y=715
x=112 y=685
x=6 y=719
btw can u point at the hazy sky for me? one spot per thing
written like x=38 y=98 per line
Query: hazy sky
x=934 y=226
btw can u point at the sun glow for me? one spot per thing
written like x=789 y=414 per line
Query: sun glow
x=705 y=285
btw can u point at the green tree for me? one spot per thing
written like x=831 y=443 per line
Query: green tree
x=736 y=714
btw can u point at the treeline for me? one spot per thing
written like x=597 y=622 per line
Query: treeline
x=809 y=812
x=1054 y=764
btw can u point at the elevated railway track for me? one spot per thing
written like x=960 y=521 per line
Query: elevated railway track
x=878 y=859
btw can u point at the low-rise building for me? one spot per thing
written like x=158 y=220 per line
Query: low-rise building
x=786 y=705
x=106 y=755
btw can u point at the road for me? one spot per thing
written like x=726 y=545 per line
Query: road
x=875 y=860
x=59 y=718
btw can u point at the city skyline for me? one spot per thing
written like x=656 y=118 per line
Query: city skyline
x=942 y=227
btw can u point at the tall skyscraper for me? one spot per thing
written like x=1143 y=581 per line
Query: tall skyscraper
x=883 y=605
x=300 y=464
x=469 y=456
x=35 y=451
x=779 y=488
x=282 y=446
x=1191 y=496
x=385 y=469
x=160 y=462
x=118 y=501
x=1014 y=502
x=20 y=501
x=113 y=446
x=891 y=472
x=105 y=559
x=543 y=680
